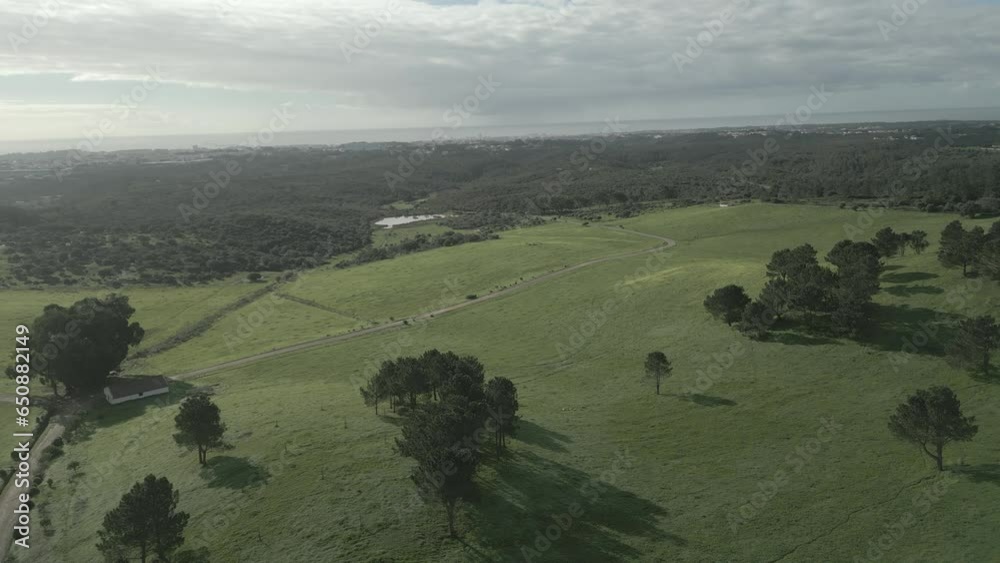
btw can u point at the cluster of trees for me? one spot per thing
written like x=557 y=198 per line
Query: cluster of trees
x=890 y=243
x=450 y=409
x=295 y=207
x=975 y=250
x=81 y=345
x=799 y=285
x=174 y=253
x=418 y=243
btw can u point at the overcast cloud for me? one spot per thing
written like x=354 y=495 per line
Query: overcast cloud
x=224 y=63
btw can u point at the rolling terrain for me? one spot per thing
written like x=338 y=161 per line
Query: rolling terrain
x=313 y=475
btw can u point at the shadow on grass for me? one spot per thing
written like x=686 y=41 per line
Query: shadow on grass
x=531 y=433
x=990 y=376
x=233 y=472
x=985 y=473
x=910 y=290
x=105 y=415
x=800 y=339
x=918 y=330
x=533 y=497
x=391 y=419
x=908 y=277
x=200 y=555
x=707 y=400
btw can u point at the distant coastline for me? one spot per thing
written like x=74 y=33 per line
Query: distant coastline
x=338 y=137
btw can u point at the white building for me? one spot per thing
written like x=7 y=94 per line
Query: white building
x=122 y=389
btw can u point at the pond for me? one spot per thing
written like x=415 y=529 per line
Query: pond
x=390 y=222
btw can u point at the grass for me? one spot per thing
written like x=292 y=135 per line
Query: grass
x=410 y=284
x=160 y=311
x=313 y=476
x=384 y=237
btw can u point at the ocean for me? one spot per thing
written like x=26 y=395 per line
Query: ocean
x=337 y=137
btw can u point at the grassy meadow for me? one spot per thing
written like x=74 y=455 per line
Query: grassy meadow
x=313 y=475
x=162 y=312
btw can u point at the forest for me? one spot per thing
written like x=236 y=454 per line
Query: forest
x=123 y=219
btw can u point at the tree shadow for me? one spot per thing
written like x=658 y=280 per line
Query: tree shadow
x=985 y=473
x=914 y=330
x=393 y=420
x=800 y=339
x=707 y=400
x=531 y=433
x=233 y=472
x=910 y=290
x=200 y=555
x=991 y=377
x=908 y=277
x=562 y=513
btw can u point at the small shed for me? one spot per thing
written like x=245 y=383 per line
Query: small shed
x=122 y=389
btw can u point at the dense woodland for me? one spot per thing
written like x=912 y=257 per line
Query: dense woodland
x=122 y=219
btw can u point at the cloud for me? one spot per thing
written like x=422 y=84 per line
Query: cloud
x=556 y=60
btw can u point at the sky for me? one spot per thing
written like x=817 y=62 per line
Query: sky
x=184 y=67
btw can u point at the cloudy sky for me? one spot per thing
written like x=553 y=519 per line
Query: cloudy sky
x=216 y=66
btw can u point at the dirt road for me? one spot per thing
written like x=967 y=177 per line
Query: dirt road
x=330 y=340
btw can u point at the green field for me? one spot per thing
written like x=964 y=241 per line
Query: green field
x=383 y=236
x=313 y=476
x=161 y=311
x=411 y=284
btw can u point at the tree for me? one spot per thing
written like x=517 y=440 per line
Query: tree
x=950 y=251
x=436 y=436
x=199 y=424
x=917 y=240
x=501 y=406
x=932 y=417
x=756 y=321
x=960 y=247
x=81 y=345
x=888 y=242
x=727 y=303
x=974 y=340
x=144 y=523
x=657 y=368
x=775 y=297
x=375 y=390
x=785 y=264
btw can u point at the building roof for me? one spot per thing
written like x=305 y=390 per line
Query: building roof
x=120 y=387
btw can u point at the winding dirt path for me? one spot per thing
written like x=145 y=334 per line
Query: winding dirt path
x=337 y=339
